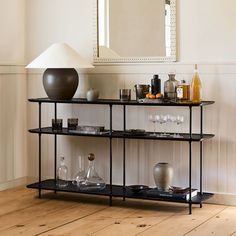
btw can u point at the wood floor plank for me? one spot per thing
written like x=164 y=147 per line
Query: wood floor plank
x=128 y=218
x=45 y=216
x=17 y=200
x=22 y=213
x=92 y=223
x=181 y=223
x=223 y=224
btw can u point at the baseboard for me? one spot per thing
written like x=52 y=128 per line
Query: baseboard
x=13 y=183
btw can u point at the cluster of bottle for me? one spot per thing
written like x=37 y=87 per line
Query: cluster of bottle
x=173 y=90
x=84 y=180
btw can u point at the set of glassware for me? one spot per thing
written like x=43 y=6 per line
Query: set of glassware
x=163 y=120
x=84 y=180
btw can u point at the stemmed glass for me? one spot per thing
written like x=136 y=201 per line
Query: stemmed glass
x=152 y=119
x=162 y=120
x=173 y=120
x=179 y=120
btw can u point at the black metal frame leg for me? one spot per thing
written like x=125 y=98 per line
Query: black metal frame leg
x=124 y=153
x=110 y=139
x=55 y=147
x=40 y=112
x=190 y=159
x=201 y=152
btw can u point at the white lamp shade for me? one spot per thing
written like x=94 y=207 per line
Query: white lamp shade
x=59 y=55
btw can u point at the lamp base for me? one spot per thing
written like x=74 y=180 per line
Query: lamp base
x=60 y=83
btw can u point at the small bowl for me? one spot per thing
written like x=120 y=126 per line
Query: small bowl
x=137 y=188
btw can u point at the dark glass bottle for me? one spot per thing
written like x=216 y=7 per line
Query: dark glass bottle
x=156 y=84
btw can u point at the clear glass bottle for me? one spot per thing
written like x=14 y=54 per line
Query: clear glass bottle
x=183 y=91
x=170 y=87
x=92 y=180
x=196 y=87
x=62 y=174
x=80 y=175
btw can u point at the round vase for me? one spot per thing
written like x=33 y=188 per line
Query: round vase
x=163 y=174
x=60 y=83
x=92 y=94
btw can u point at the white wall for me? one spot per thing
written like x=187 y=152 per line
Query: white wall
x=206 y=31
x=13 y=106
x=206 y=35
x=58 y=21
x=12 y=31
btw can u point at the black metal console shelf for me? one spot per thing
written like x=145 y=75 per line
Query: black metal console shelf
x=122 y=134
x=115 y=190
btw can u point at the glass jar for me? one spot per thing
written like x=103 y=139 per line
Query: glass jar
x=92 y=180
x=170 y=87
x=62 y=174
x=183 y=91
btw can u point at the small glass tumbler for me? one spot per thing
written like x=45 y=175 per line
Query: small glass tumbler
x=72 y=123
x=125 y=94
x=57 y=124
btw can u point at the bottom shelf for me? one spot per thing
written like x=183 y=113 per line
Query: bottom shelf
x=117 y=191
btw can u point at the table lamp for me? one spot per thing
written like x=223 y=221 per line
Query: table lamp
x=60 y=79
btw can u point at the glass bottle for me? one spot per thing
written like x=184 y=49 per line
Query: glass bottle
x=92 y=180
x=62 y=174
x=170 y=87
x=80 y=175
x=196 y=87
x=183 y=91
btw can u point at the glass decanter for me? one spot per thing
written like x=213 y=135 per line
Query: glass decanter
x=80 y=175
x=92 y=180
x=62 y=174
x=170 y=87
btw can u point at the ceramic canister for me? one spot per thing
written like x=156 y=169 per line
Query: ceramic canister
x=92 y=94
x=163 y=174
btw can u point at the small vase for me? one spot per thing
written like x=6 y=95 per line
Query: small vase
x=163 y=174
x=92 y=95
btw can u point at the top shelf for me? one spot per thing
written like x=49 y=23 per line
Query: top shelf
x=118 y=102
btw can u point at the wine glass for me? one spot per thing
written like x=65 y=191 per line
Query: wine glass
x=152 y=119
x=163 y=120
x=173 y=120
x=179 y=121
x=157 y=120
x=168 y=120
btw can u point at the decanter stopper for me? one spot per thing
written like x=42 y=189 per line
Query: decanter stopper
x=91 y=157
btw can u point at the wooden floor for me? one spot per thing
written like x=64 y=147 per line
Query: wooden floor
x=22 y=213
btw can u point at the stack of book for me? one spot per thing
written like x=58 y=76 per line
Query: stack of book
x=174 y=193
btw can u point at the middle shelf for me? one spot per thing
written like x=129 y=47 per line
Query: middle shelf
x=121 y=134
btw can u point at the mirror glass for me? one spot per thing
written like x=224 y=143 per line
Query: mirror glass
x=135 y=30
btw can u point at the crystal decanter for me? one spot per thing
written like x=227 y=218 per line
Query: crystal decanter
x=92 y=180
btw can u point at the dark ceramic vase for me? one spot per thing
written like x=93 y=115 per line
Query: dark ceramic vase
x=60 y=84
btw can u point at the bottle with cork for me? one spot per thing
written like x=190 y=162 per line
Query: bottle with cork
x=196 y=87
